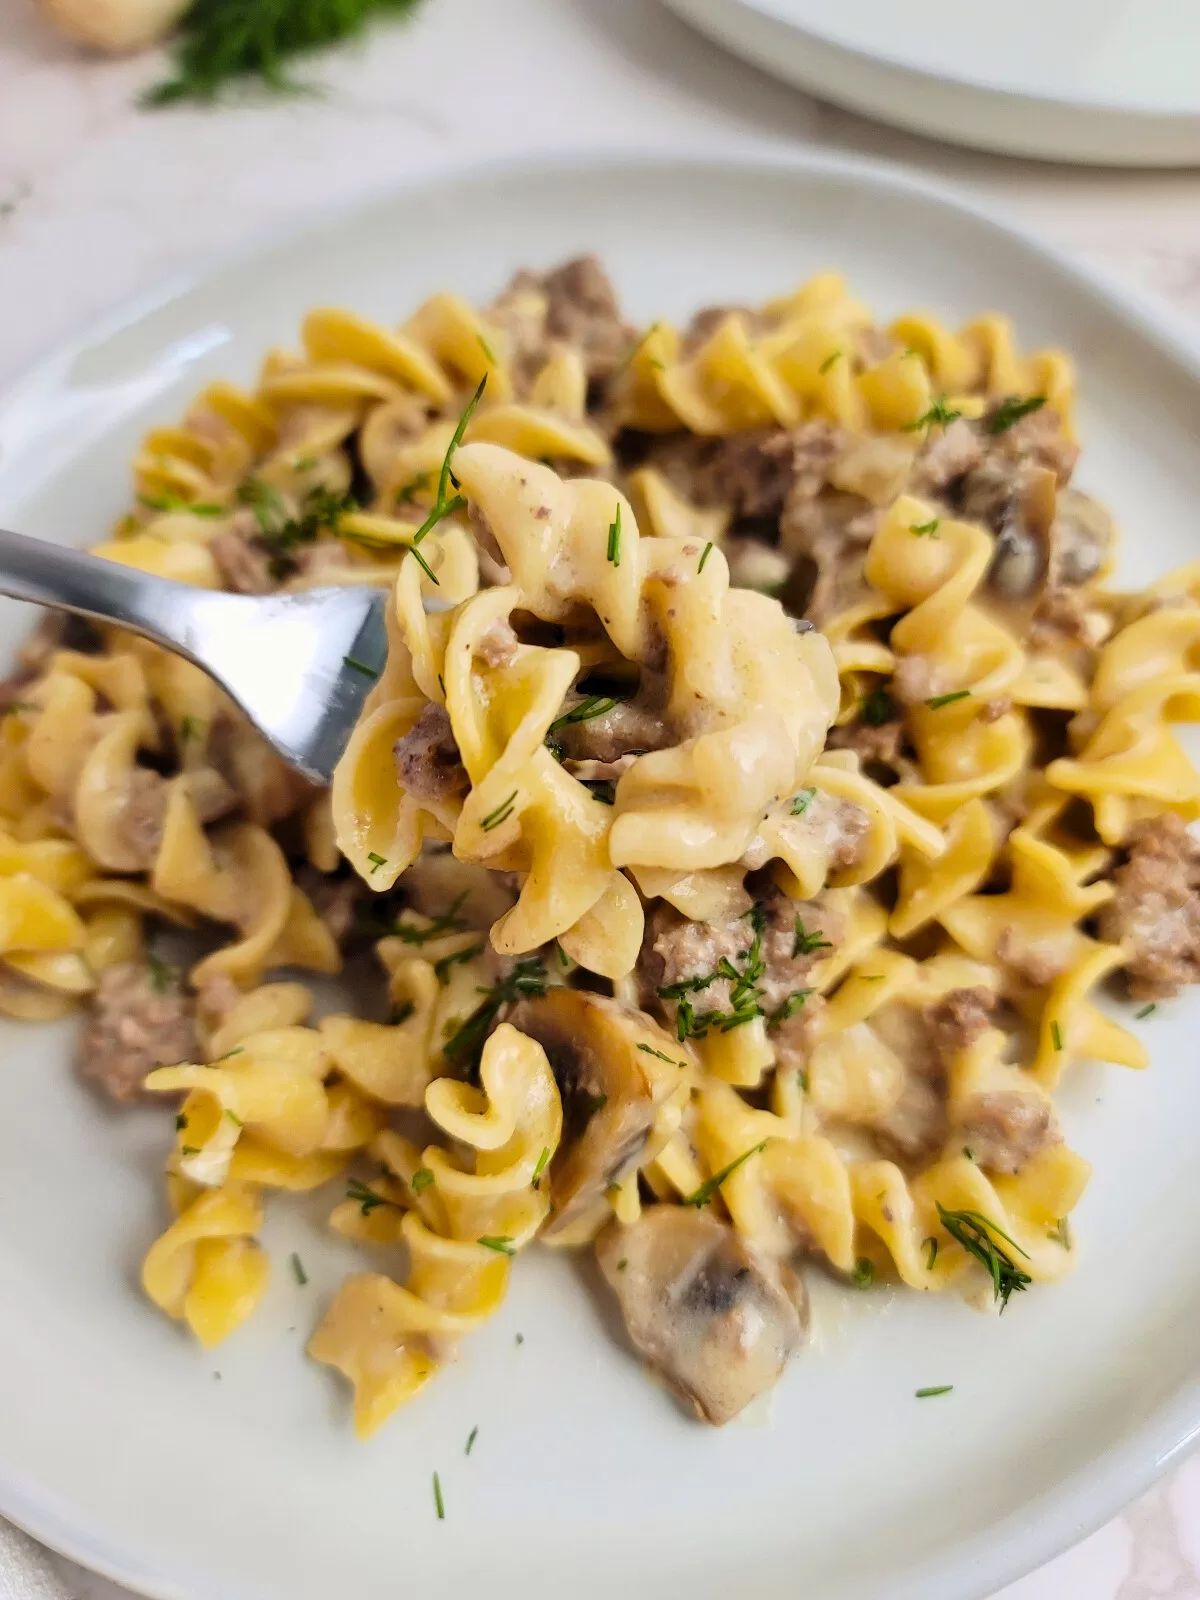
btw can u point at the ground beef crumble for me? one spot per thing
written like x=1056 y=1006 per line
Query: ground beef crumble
x=1155 y=912
x=139 y=1018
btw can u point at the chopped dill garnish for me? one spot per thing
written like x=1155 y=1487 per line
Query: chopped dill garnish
x=649 y=1050
x=501 y=814
x=708 y=548
x=701 y=1196
x=925 y=529
x=1012 y=410
x=937 y=1388
x=360 y=666
x=448 y=922
x=465 y=1042
x=442 y=506
x=931 y=1253
x=864 y=1272
x=163 y=976
x=614 y=538
x=500 y=1242
x=471 y=1438
x=1056 y=1035
x=541 y=1165
x=366 y=1198
x=975 y=1233
x=596 y=705
x=1146 y=1011
x=486 y=348
x=442 y=967
x=437 y=1498
x=376 y=861
x=298 y=1270
x=788 y=1008
x=421 y=1180
x=939 y=415
x=805 y=943
x=877 y=707
x=802 y=800
x=828 y=362
x=181 y=1122
x=939 y=700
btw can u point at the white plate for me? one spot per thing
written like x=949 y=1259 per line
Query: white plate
x=118 y=1442
x=1112 y=81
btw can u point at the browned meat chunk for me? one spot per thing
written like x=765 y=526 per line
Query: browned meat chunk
x=1036 y=961
x=946 y=457
x=916 y=1128
x=428 y=764
x=707 y=320
x=753 y=472
x=957 y=1021
x=761 y=959
x=582 y=309
x=1005 y=1129
x=702 y=1307
x=624 y=730
x=1155 y=912
x=139 y=1019
x=245 y=566
x=882 y=742
x=498 y=644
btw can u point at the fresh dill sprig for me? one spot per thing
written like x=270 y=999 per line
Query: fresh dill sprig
x=614 y=538
x=978 y=1235
x=221 y=41
x=465 y=1043
x=596 y=705
x=939 y=415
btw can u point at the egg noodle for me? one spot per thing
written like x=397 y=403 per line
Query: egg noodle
x=730 y=945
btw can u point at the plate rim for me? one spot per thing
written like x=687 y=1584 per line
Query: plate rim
x=1092 y=1495
x=975 y=113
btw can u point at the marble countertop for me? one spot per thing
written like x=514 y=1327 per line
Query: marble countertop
x=98 y=199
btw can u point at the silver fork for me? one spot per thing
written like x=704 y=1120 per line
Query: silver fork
x=299 y=665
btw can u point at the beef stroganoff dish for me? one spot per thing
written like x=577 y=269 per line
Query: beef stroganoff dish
x=765 y=785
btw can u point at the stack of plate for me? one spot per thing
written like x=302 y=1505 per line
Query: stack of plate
x=1109 y=81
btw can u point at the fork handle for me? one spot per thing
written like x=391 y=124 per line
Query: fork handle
x=103 y=591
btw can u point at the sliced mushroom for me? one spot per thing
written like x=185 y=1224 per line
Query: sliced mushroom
x=1081 y=538
x=1022 y=556
x=703 y=1308
x=614 y=1068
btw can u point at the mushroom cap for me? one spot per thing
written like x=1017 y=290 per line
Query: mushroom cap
x=707 y=1312
x=614 y=1068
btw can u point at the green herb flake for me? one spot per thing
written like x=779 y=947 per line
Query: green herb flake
x=1146 y=1011
x=298 y=1271
x=703 y=1195
x=448 y=922
x=939 y=415
x=486 y=348
x=940 y=700
x=234 y=1118
x=365 y=1198
x=802 y=801
x=443 y=968
x=789 y=1007
x=864 y=1273
x=541 y=1164
x=437 y=1498
x=190 y=728
x=1012 y=410
x=877 y=707
x=376 y=861
x=189 y=1149
x=1061 y=1233
x=938 y=1388
x=802 y=1079
x=977 y=1235
x=471 y=1438
x=163 y=976
x=931 y=1253
x=596 y=705
x=1056 y=1035
x=614 y=538
x=649 y=1050
x=444 y=507
x=708 y=549
x=181 y=1122
x=360 y=666
x=925 y=530
x=501 y=814
x=465 y=1041
x=804 y=943
x=828 y=362
x=632 y=353
x=501 y=1243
